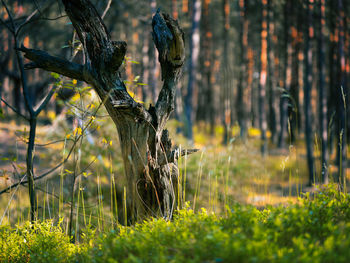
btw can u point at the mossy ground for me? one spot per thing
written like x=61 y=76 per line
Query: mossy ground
x=315 y=229
x=234 y=204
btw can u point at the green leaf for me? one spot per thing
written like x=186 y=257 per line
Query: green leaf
x=55 y=75
x=2 y=113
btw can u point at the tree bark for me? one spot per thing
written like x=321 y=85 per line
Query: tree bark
x=154 y=72
x=332 y=76
x=145 y=66
x=205 y=104
x=242 y=88
x=262 y=81
x=322 y=93
x=227 y=75
x=341 y=99
x=192 y=67
x=150 y=162
x=287 y=76
x=307 y=94
x=294 y=109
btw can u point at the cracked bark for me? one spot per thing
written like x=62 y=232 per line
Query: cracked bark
x=150 y=161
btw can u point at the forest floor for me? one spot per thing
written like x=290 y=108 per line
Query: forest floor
x=235 y=205
x=216 y=176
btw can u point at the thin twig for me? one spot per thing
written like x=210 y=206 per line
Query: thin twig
x=106 y=9
x=8 y=204
x=14 y=109
x=60 y=164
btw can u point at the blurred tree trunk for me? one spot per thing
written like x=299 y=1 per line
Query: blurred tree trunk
x=342 y=96
x=332 y=75
x=174 y=12
x=262 y=81
x=254 y=107
x=307 y=92
x=347 y=67
x=227 y=75
x=178 y=111
x=206 y=109
x=5 y=47
x=285 y=98
x=192 y=67
x=250 y=81
x=145 y=67
x=322 y=91
x=242 y=88
x=294 y=109
x=273 y=98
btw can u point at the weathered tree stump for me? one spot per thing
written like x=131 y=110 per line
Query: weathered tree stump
x=150 y=161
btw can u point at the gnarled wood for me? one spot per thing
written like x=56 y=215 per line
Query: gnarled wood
x=149 y=159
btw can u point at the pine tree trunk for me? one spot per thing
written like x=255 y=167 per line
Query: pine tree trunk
x=192 y=67
x=307 y=94
x=262 y=81
x=227 y=75
x=273 y=100
x=294 y=109
x=322 y=93
x=332 y=75
x=342 y=97
x=205 y=103
x=242 y=88
x=285 y=100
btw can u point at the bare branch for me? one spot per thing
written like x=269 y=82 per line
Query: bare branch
x=91 y=30
x=7 y=26
x=45 y=101
x=104 y=54
x=80 y=45
x=169 y=40
x=28 y=19
x=13 y=29
x=49 y=143
x=106 y=9
x=58 y=165
x=13 y=109
x=43 y=60
x=32 y=17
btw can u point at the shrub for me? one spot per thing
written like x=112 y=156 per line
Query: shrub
x=314 y=230
x=39 y=242
x=317 y=229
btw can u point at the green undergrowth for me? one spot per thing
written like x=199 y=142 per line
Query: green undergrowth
x=316 y=229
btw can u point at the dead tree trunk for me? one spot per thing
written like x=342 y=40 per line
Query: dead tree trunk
x=150 y=162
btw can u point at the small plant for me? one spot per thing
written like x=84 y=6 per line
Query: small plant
x=38 y=242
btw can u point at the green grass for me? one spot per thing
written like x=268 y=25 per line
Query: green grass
x=316 y=229
x=245 y=207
